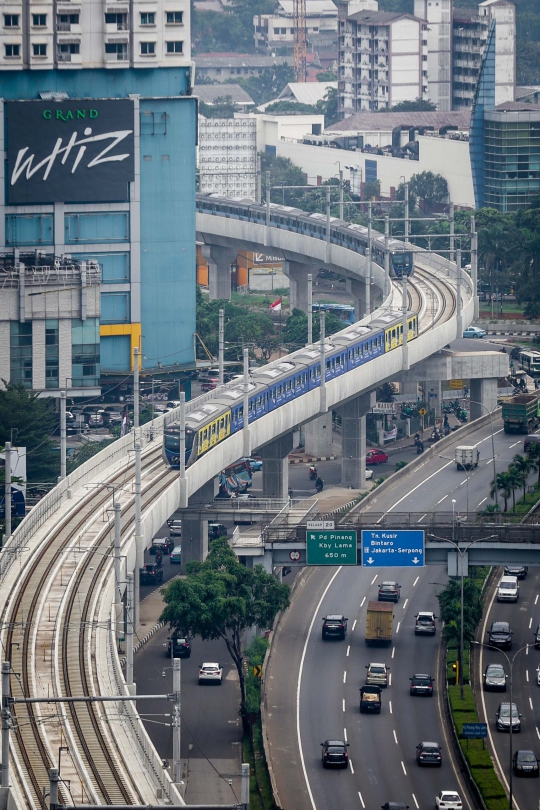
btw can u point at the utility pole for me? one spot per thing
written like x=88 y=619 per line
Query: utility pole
x=406 y=189
x=368 y=256
x=322 y=321
x=62 y=435
x=328 y=189
x=459 y=318
x=341 y=193
x=386 y=255
x=268 y=192
x=221 y=345
x=7 y=491
x=474 y=266
x=451 y=220
x=309 y=309
x=177 y=720
x=244 y=788
x=139 y=549
x=182 y=445
x=6 y=723
x=405 y=350
x=117 y=546
x=129 y=631
x=136 y=387
x=53 y=789
x=259 y=180
x=247 y=443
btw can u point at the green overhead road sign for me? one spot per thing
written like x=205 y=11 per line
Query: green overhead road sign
x=331 y=547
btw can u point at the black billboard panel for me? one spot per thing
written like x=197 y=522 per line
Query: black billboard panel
x=70 y=151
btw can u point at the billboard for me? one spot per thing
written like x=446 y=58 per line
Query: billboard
x=70 y=151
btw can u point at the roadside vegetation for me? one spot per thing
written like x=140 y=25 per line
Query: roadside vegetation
x=515 y=479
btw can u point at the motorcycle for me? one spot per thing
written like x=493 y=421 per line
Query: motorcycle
x=462 y=415
x=419 y=448
x=319 y=485
x=312 y=473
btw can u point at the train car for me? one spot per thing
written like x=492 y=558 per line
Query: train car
x=205 y=427
x=285 y=381
x=392 y=323
x=363 y=344
x=401 y=263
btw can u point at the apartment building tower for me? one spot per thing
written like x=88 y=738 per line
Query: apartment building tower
x=99 y=155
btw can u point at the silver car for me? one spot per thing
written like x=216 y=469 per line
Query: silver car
x=377 y=674
x=495 y=678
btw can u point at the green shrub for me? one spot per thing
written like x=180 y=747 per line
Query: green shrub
x=488 y=783
x=400 y=465
x=459 y=705
x=476 y=756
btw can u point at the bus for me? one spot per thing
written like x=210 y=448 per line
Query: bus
x=530 y=362
x=345 y=312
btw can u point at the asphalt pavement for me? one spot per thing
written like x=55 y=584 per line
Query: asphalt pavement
x=524 y=618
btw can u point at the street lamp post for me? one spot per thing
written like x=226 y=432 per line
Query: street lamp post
x=462 y=552
x=511 y=667
x=447 y=458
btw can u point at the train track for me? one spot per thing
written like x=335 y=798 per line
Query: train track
x=97 y=767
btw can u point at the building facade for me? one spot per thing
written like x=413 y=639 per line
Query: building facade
x=437 y=36
x=382 y=60
x=99 y=158
x=228 y=156
x=276 y=31
x=49 y=323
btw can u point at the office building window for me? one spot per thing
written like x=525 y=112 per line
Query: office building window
x=68 y=19
x=39 y=49
x=20 y=371
x=52 y=354
x=120 y=20
x=175 y=47
x=11 y=20
x=85 y=352
x=69 y=48
x=148 y=18
x=118 y=48
x=112 y=226
x=13 y=50
x=148 y=48
x=29 y=229
x=174 y=17
x=39 y=20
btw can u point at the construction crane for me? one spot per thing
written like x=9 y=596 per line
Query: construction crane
x=299 y=9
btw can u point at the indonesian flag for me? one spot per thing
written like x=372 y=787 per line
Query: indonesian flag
x=276 y=306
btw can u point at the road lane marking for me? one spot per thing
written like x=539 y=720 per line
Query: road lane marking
x=361 y=799
x=481 y=502
x=350 y=763
x=405 y=604
x=348 y=650
x=530 y=623
x=390 y=679
x=415 y=581
x=362 y=602
x=421 y=519
x=514 y=445
x=345 y=676
x=538 y=732
x=345 y=735
x=299 y=685
x=526 y=650
x=424 y=481
x=354 y=625
x=403 y=766
x=343 y=704
x=393 y=651
x=374 y=578
x=395 y=735
x=527 y=675
x=536 y=600
x=530 y=703
x=416 y=803
x=397 y=628
x=390 y=706
x=444 y=497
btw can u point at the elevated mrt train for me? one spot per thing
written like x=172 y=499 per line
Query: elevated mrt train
x=346 y=234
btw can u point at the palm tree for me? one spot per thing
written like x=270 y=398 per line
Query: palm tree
x=504 y=484
x=534 y=456
x=523 y=466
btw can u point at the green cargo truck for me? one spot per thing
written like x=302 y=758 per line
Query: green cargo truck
x=521 y=414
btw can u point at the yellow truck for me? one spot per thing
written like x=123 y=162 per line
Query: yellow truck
x=379 y=623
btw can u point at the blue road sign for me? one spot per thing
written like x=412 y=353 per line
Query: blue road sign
x=387 y=548
x=474 y=731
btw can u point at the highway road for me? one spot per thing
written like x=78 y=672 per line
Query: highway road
x=524 y=617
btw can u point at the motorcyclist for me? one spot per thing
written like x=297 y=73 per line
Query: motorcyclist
x=159 y=556
x=319 y=484
x=291 y=494
x=312 y=472
x=419 y=447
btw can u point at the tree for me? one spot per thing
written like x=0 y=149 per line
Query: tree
x=220 y=599
x=269 y=84
x=450 y=609
x=429 y=188
x=371 y=190
x=522 y=466
x=29 y=421
x=247 y=329
x=386 y=392
x=418 y=105
x=329 y=106
x=534 y=455
x=503 y=483
x=223 y=107
x=291 y=107
x=327 y=76
x=295 y=331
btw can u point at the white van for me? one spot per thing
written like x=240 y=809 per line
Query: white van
x=508 y=590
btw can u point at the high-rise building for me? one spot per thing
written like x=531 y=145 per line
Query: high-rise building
x=99 y=156
x=437 y=37
x=228 y=156
x=382 y=59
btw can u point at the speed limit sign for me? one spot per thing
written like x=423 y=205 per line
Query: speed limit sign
x=294 y=556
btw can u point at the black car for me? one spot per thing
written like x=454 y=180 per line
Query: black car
x=421 y=685
x=519 y=571
x=389 y=592
x=178 y=647
x=428 y=753
x=537 y=638
x=529 y=441
x=334 y=753
x=150 y=574
x=216 y=530
x=495 y=678
x=165 y=545
x=334 y=626
x=395 y=806
x=500 y=635
x=524 y=763
x=503 y=718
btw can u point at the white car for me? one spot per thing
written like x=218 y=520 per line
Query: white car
x=448 y=800
x=538 y=675
x=210 y=673
x=369 y=475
